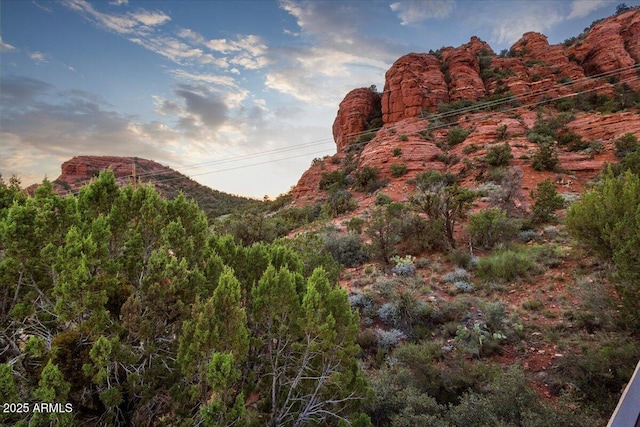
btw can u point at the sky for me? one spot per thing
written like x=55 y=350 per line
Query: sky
x=238 y=95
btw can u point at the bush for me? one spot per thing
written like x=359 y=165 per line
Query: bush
x=366 y=179
x=332 y=180
x=626 y=144
x=573 y=141
x=339 y=202
x=404 y=265
x=505 y=265
x=389 y=339
x=546 y=158
x=346 y=249
x=490 y=227
x=397 y=170
x=499 y=155
x=383 y=199
x=355 y=225
x=607 y=220
x=397 y=152
x=546 y=202
x=457 y=135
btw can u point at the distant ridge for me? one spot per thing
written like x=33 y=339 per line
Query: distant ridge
x=79 y=171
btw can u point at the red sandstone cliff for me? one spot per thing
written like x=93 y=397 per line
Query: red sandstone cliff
x=599 y=61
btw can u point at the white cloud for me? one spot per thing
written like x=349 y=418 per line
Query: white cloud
x=204 y=78
x=119 y=2
x=5 y=47
x=582 y=8
x=413 y=12
x=150 y=18
x=510 y=28
x=38 y=57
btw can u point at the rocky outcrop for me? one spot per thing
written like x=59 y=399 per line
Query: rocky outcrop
x=355 y=114
x=612 y=46
x=414 y=83
x=532 y=73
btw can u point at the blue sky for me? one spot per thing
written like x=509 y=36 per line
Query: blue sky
x=239 y=95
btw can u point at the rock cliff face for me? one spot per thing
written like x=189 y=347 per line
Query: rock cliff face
x=418 y=86
x=357 y=110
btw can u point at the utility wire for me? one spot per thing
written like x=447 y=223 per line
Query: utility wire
x=433 y=117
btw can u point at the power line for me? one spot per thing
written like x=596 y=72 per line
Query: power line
x=433 y=117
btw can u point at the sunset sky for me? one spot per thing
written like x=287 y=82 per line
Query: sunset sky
x=239 y=95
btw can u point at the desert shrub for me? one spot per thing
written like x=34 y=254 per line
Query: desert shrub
x=607 y=221
x=397 y=152
x=538 y=138
x=572 y=140
x=499 y=155
x=367 y=339
x=457 y=275
x=546 y=158
x=389 y=339
x=397 y=170
x=339 y=202
x=383 y=199
x=332 y=180
x=347 y=249
x=404 y=137
x=430 y=178
x=418 y=234
x=366 y=179
x=462 y=257
x=602 y=370
x=546 y=202
x=506 y=265
x=490 y=227
x=355 y=225
x=457 y=135
x=404 y=265
x=626 y=144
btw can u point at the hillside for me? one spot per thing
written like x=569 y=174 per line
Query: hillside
x=80 y=170
x=467 y=258
x=589 y=83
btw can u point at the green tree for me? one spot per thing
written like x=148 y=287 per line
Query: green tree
x=546 y=202
x=607 y=220
x=444 y=203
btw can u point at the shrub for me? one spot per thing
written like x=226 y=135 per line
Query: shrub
x=573 y=141
x=626 y=144
x=346 y=249
x=418 y=234
x=607 y=220
x=404 y=265
x=397 y=170
x=397 y=152
x=457 y=135
x=355 y=225
x=546 y=202
x=490 y=227
x=339 y=202
x=383 y=199
x=404 y=137
x=366 y=179
x=546 y=158
x=389 y=339
x=457 y=275
x=332 y=180
x=505 y=265
x=499 y=155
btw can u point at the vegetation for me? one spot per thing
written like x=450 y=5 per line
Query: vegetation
x=134 y=313
x=607 y=220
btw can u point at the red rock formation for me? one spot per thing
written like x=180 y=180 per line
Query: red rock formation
x=534 y=71
x=412 y=84
x=611 y=45
x=354 y=114
x=464 y=70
